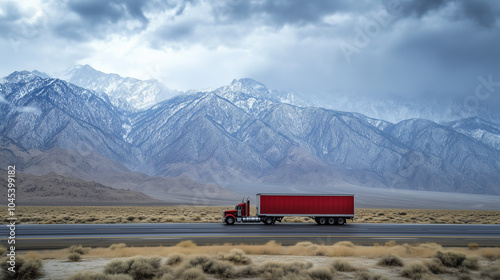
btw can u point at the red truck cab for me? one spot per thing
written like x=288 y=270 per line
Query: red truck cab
x=241 y=211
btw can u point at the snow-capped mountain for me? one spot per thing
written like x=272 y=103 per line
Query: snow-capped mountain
x=479 y=129
x=245 y=92
x=243 y=132
x=128 y=94
x=231 y=135
x=45 y=113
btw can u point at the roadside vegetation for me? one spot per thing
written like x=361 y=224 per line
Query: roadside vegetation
x=304 y=260
x=213 y=214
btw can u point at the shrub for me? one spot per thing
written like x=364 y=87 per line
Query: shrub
x=117 y=246
x=78 y=249
x=391 y=243
x=203 y=261
x=415 y=271
x=297 y=267
x=236 y=256
x=248 y=271
x=320 y=273
x=139 y=268
x=220 y=268
x=186 y=244
x=435 y=266
x=489 y=255
x=272 y=270
x=193 y=273
x=25 y=269
x=280 y=270
x=74 y=257
x=492 y=272
x=175 y=259
x=343 y=266
x=390 y=260
x=99 y=276
x=117 y=267
x=463 y=276
x=450 y=259
x=366 y=275
x=471 y=263
x=143 y=268
x=473 y=246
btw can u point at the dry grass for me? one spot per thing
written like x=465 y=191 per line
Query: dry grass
x=186 y=248
x=274 y=261
x=117 y=246
x=213 y=214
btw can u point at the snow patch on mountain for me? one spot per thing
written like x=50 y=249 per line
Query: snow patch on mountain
x=128 y=94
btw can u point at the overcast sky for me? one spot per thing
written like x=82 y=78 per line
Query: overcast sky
x=408 y=48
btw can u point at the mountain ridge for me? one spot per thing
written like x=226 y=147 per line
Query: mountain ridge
x=242 y=132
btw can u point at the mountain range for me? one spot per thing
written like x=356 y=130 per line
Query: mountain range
x=241 y=132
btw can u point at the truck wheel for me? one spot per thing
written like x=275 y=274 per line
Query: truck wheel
x=340 y=221
x=268 y=220
x=322 y=221
x=229 y=220
x=331 y=221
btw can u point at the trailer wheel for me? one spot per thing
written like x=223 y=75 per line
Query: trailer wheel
x=340 y=221
x=229 y=220
x=322 y=221
x=331 y=221
x=316 y=220
x=268 y=220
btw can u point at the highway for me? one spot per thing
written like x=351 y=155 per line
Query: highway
x=53 y=236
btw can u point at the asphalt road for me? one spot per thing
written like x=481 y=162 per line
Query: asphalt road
x=32 y=237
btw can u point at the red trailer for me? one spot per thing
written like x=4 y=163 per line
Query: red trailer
x=323 y=208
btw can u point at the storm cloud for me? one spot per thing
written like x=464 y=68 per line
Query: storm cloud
x=322 y=49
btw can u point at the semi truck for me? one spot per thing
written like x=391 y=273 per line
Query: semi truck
x=325 y=209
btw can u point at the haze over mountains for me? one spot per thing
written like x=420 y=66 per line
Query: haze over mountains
x=97 y=126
